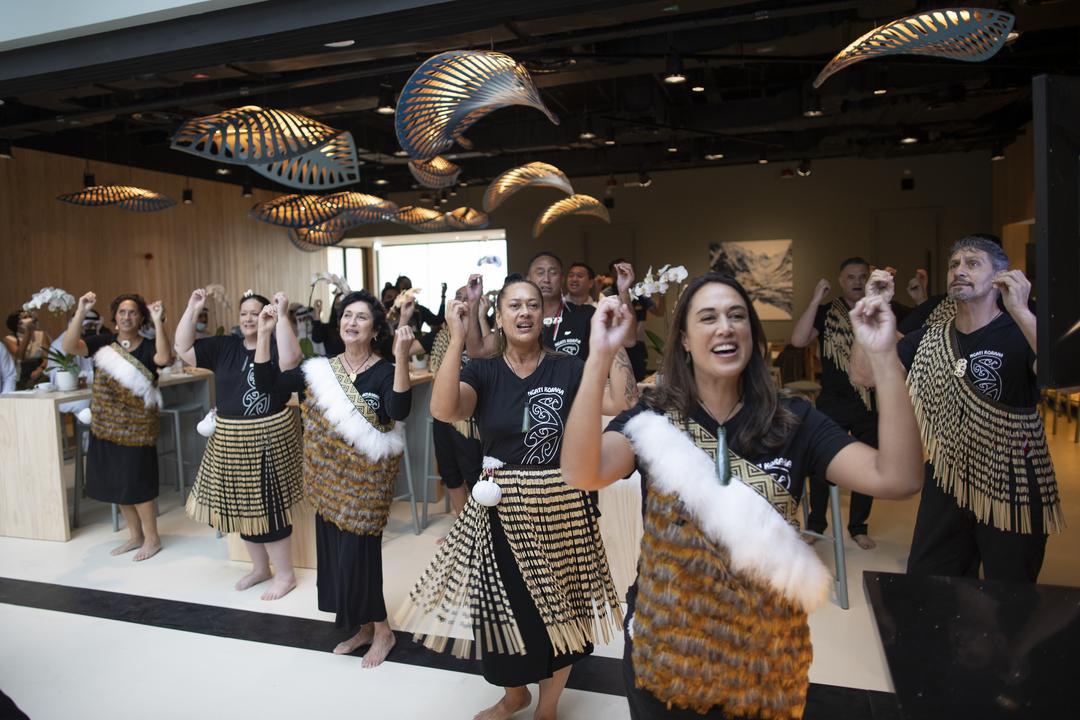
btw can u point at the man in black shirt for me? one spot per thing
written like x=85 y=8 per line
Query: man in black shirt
x=990 y=496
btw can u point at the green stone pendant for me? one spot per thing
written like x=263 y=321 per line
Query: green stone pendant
x=723 y=463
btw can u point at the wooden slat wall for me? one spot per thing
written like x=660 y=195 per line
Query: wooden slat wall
x=1014 y=183
x=163 y=255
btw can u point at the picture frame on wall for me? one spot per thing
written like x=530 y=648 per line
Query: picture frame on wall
x=765 y=268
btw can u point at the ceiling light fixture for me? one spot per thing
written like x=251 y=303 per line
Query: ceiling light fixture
x=294 y=211
x=609 y=139
x=438 y=172
x=880 y=91
x=189 y=196
x=812 y=107
x=246 y=189
x=534 y=174
x=125 y=197
x=201 y=76
x=804 y=169
x=340 y=44
x=699 y=88
x=88 y=180
x=715 y=152
x=573 y=205
x=675 y=74
x=763 y=159
x=222 y=171
x=587 y=133
x=386 y=101
x=382 y=181
x=997 y=154
x=1012 y=37
x=909 y=137
x=5 y=149
x=400 y=153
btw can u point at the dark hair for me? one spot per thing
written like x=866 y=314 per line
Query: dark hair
x=512 y=280
x=13 y=321
x=588 y=270
x=380 y=343
x=853 y=261
x=768 y=423
x=546 y=253
x=397 y=283
x=133 y=297
x=389 y=286
x=998 y=259
x=611 y=265
x=988 y=236
x=253 y=296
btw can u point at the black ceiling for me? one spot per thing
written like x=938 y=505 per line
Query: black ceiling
x=118 y=96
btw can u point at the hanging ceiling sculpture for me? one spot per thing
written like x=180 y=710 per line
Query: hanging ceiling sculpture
x=450 y=92
x=330 y=166
x=438 y=172
x=466 y=218
x=969 y=34
x=311 y=239
x=251 y=135
x=126 y=197
x=366 y=208
x=534 y=174
x=573 y=205
x=294 y=211
x=422 y=219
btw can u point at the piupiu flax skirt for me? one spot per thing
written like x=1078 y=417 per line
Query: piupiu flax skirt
x=530 y=577
x=250 y=476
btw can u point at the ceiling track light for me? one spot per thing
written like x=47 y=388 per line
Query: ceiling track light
x=675 y=74
x=386 y=101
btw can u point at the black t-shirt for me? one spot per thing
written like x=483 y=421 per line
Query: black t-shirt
x=917 y=317
x=329 y=335
x=521 y=421
x=143 y=352
x=999 y=360
x=813 y=443
x=568 y=332
x=375 y=385
x=233 y=366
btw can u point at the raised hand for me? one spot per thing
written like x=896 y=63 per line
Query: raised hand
x=197 y=301
x=157 y=311
x=916 y=286
x=1015 y=289
x=874 y=325
x=456 y=321
x=407 y=310
x=475 y=287
x=403 y=339
x=624 y=279
x=610 y=327
x=318 y=309
x=821 y=290
x=282 y=302
x=268 y=319
x=86 y=302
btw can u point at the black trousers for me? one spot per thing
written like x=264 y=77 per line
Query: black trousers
x=949 y=540
x=863 y=427
x=460 y=459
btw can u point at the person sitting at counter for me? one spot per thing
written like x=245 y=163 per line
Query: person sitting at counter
x=121 y=460
x=250 y=475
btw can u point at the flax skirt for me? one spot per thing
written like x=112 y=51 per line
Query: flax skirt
x=121 y=474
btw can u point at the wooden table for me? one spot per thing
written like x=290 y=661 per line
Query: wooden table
x=33 y=499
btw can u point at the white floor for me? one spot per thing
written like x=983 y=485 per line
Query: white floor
x=58 y=665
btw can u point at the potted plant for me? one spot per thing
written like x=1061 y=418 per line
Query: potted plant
x=67 y=370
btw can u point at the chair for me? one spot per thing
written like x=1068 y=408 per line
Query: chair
x=174 y=413
x=81 y=432
x=836 y=538
x=429 y=451
x=411 y=494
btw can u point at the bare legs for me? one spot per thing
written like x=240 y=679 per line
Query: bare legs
x=458 y=497
x=513 y=700
x=262 y=555
x=141 y=520
x=550 y=690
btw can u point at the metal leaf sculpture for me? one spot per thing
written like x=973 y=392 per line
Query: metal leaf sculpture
x=366 y=208
x=251 y=135
x=422 y=219
x=450 y=92
x=466 y=218
x=438 y=172
x=329 y=166
x=534 y=174
x=135 y=199
x=310 y=239
x=294 y=211
x=573 y=205
x=969 y=34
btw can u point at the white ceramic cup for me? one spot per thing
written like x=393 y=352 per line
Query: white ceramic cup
x=44 y=387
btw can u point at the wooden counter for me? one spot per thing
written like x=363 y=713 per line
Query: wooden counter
x=33 y=499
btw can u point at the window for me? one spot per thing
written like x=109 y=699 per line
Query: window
x=348 y=262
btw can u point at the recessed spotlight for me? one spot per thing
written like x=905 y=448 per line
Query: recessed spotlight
x=698 y=88
x=587 y=134
x=222 y=171
x=673 y=148
x=340 y=44
x=400 y=153
x=675 y=74
x=880 y=91
x=997 y=154
x=812 y=107
x=201 y=76
x=804 y=169
x=763 y=159
x=714 y=156
x=909 y=139
x=386 y=100
x=609 y=139
x=765 y=49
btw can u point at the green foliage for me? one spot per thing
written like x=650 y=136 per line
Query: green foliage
x=656 y=340
x=63 y=361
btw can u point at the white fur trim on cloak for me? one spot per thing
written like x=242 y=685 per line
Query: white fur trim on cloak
x=347 y=421
x=761 y=543
x=128 y=375
x=491 y=463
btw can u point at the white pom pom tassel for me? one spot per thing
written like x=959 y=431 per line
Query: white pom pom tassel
x=84 y=416
x=208 y=424
x=487 y=493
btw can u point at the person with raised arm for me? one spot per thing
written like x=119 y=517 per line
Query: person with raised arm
x=717 y=619
x=121 y=458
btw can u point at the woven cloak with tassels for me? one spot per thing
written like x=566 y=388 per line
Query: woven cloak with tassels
x=557 y=547
x=467 y=428
x=943 y=313
x=350 y=457
x=125 y=400
x=982 y=451
x=836 y=345
x=724 y=580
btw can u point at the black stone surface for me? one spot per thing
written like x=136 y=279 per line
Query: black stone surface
x=966 y=648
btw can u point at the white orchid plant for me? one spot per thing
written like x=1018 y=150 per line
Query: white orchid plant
x=337 y=281
x=651 y=285
x=216 y=291
x=55 y=300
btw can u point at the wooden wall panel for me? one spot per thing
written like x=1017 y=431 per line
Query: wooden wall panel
x=163 y=255
x=1014 y=183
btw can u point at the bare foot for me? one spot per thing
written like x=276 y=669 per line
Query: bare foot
x=864 y=542
x=380 y=648
x=441 y=540
x=809 y=539
x=147 y=551
x=253 y=578
x=282 y=586
x=360 y=639
x=127 y=547
x=507 y=707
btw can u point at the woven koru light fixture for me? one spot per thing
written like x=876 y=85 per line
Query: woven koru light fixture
x=438 y=172
x=294 y=211
x=422 y=219
x=126 y=197
x=310 y=240
x=330 y=166
x=449 y=92
x=251 y=135
x=573 y=205
x=969 y=34
x=534 y=174
x=366 y=208
x=466 y=218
